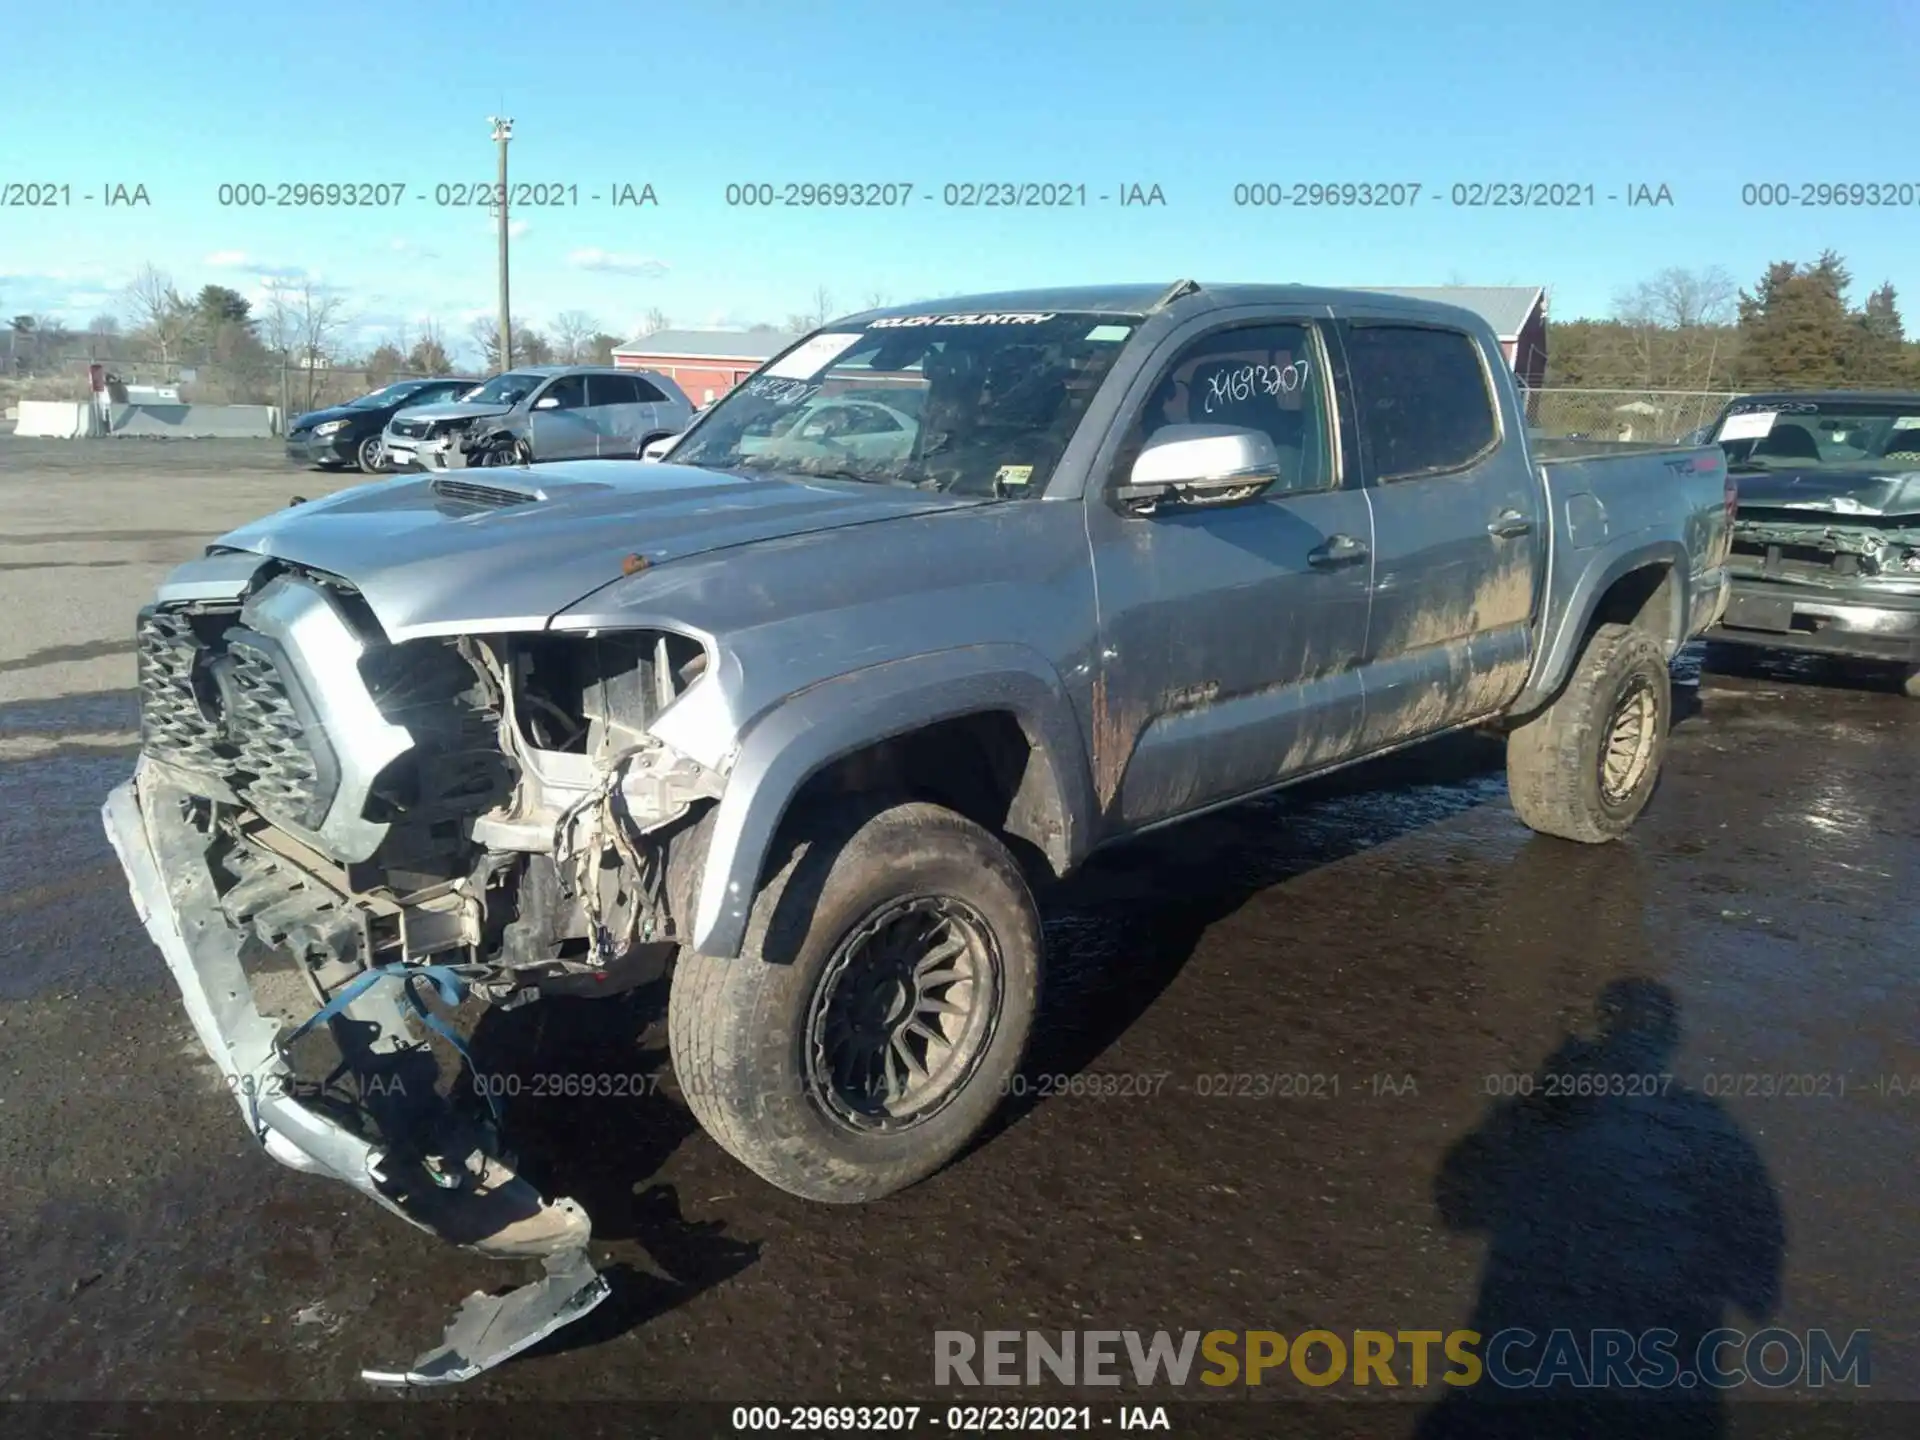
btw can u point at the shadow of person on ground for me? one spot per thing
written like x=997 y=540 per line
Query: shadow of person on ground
x=1617 y=1199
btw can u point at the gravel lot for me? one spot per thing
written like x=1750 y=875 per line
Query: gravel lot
x=1396 y=933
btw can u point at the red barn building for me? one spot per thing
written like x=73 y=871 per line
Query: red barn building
x=704 y=363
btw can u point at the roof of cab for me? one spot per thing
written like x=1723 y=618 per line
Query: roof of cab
x=1145 y=299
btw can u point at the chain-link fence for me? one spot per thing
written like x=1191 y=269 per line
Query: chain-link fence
x=1659 y=415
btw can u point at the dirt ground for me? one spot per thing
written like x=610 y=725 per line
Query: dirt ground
x=1393 y=936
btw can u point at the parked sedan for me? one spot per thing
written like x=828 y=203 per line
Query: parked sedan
x=351 y=434
x=544 y=412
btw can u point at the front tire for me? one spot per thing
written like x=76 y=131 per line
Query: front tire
x=879 y=1007
x=1584 y=768
x=370 y=456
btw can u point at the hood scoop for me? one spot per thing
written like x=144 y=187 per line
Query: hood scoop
x=486 y=496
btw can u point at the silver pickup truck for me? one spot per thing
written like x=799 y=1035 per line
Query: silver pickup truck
x=806 y=713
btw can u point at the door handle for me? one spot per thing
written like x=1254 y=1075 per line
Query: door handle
x=1507 y=524
x=1339 y=550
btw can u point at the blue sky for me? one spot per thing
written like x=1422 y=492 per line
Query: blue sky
x=1192 y=95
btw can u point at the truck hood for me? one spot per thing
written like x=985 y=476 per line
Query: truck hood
x=1864 y=491
x=429 y=563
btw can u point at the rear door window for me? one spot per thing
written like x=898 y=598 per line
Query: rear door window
x=1423 y=400
x=611 y=389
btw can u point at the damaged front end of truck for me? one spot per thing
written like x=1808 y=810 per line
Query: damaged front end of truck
x=1845 y=551
x=1828 y=562
x=331 y=836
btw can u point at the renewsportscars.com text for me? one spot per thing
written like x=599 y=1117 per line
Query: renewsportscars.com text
x=1509 y=1359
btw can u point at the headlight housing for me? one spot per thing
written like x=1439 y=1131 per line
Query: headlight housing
x=331 y=427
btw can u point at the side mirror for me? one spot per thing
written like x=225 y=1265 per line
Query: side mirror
x=657 y=449
x=1200 y=465
x=547 y=402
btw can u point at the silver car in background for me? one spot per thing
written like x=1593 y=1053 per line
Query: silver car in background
x=543 y=412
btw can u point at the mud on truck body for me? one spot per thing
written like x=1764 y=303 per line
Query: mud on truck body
x=806 y=724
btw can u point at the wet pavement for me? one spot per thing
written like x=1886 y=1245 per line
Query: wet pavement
x=1274 y=1085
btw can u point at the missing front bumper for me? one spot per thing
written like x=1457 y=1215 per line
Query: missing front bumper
x=444 y=1185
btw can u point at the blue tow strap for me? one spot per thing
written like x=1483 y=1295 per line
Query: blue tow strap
x=447 y=984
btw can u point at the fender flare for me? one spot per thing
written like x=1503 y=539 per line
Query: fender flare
x=1603 y=568
x=789 y=744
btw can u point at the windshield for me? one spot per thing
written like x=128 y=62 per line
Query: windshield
x=1781 y=433
x=508 y=389
x=972 y=404
x=386 y=395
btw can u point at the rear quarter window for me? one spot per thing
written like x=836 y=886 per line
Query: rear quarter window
x=1423 y=400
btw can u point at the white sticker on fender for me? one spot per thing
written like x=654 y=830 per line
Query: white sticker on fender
x=1748 y=427
x=808 y=358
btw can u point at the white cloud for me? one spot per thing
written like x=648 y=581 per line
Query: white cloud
x=614 y=263
x=515 y=228
x=240 y=260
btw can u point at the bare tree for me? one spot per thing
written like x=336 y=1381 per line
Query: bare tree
x=1677 y=298
x=302 y=321
x=1674 y=320
x=878 y=300
x=277 y=325
x=530 y=347
x=429 y=355
x=102 y=331
x=817 y=314
x=157 y=309
x=573 y=332
x=654 y=321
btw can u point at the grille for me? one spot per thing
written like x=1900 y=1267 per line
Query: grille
x=411 y=429
x=225 y=708
x=1811 y=561
x=178 y=719
x=279 y=769
x=470 y=493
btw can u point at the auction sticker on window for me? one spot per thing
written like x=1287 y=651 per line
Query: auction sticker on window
x=1748 y=427
x=805 y=359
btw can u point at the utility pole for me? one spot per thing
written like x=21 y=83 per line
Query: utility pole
x=502 y=133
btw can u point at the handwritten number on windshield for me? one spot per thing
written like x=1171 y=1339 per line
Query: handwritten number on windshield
x=1250 y=380
x=781 y=392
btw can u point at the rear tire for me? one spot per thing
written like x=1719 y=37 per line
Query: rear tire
x=1584 y=768
x=787 y=1055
